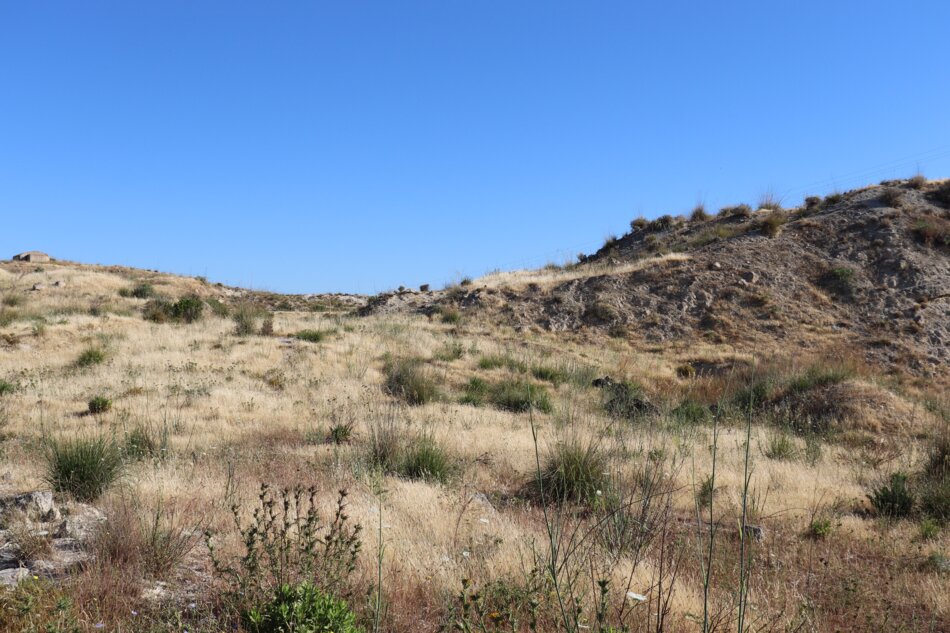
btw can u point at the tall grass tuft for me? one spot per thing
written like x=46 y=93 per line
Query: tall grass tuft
x=575 y=472
x=407 y=379
x=82 y=467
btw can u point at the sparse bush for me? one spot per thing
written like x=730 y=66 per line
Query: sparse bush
x=699 y=214
x=28 y=545
x=287 y=542
x=816 y=376
x=406 y=378
x=686 y=370
x=770 y=202
x=218 y=308
x=626 y=400
x=188 y=309
x=819 y=528
x=83 y=467
x=773 y=223
x=601 y=311
x=90 y=356
x=638 y=224
x=245 y=318
x=917 y=182
x=780 y=446
x=839 y=280
x=891 y=197
x=554 y=375
x=662 y=223
x=576 y=473
x=267 y=326
x=495 y=361
x=142 y=442
x=143 y=290
x=313 y=336
x=812 y=202
x=932 y=230
x=893 y=499
x=691 y=412
x=6 y=387
x=736 y=211
x=941 y=194
x=99 y=404
x=12 y=301
x=427 y=460
x=157 y=311
x=302 y=608
x=477 y=392
x=935 y=499
x=520 y=396
x=449 y=315
x=832 y=199
x=340 y=433
x=704 y=495
x=929 y=529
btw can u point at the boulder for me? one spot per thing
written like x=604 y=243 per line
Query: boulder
x=37 y=507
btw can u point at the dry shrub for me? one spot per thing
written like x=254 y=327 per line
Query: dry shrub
x=144 y=540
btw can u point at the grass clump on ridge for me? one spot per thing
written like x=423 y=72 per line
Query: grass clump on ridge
x=82 y=467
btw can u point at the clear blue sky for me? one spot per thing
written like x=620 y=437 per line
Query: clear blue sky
x=356 y=146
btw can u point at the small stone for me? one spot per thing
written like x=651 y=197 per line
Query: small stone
x=715 y=266
x=37 y=287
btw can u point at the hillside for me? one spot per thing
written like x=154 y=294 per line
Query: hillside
x=868 y=270
x=742 y=416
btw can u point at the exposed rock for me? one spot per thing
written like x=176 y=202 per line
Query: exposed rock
x=37 y=507
x=37 y=287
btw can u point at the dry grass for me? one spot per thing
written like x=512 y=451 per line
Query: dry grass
x=551 y=276
x=229 y=430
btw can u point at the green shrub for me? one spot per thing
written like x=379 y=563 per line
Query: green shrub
x=573 y=472
x=929 y=529
x=143 y=290
x=699 y=214
x=935 y=499
x=496 y=361
x=839 y=280
x=90 y=356
x=736 y=211
x=780 y=446
x=832 y=199
x=188 y=309
x=554 y=375
x=626 y=401
x=99 y=404
x=449 y=314
x=285 y=540
x=941 y=194
x=83 y=467
x=477 y=392
x=340 y=433
x=893 y=499
x=425 y=459
x=142 y=442
x=6 y=387
x=772 y=224
x=313 y=336
x=245 y=321
x=520 y=396
x=932 y=230
x=819 y=528
x=691 y=412
x=818 y=375
x=218 y=308
x=406 y=378
x=704 y=494
x=301 y=608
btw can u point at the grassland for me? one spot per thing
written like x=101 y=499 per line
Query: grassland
x=715 y=490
